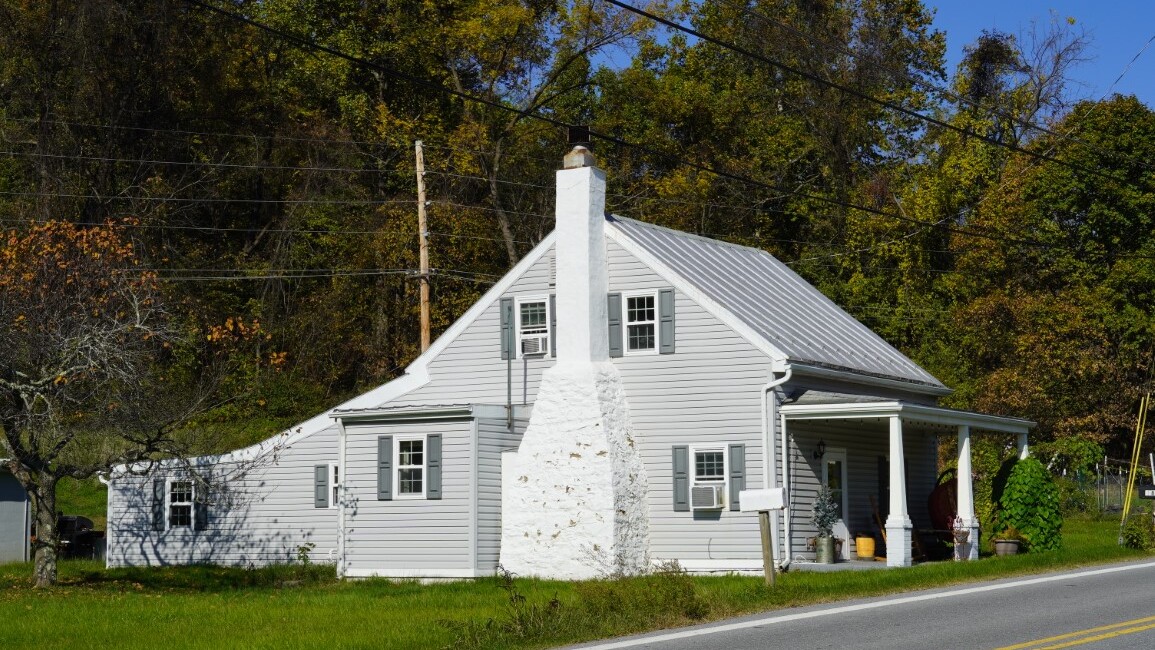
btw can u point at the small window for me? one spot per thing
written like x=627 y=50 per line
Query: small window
x=532 y=327
x=641 y=323
x=410 y=467
x=180 y=504
x=708 y=479
x=334 y=485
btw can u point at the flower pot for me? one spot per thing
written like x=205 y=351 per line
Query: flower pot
x=1006 y=546
x=824 y=550
x=864 y=547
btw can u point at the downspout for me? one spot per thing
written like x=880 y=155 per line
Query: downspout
x=769 y=417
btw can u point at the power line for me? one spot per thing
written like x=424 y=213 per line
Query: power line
x=180 y=199
x=186 y=163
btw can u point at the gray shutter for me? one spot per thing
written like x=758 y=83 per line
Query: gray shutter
x=552 y=326
x=614 y=311
x=507 y=329
x=385 y=468
x=666 y=321
x=200 y=510
x=433 y=466
x=158 y=488
x=737 y=474
x=320 y=486
x=681 y=478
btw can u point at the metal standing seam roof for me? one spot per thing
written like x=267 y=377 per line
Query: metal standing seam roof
x=776 y=302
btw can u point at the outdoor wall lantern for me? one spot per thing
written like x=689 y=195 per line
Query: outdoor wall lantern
x=821 y=451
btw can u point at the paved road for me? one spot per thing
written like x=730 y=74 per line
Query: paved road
x=1104 y=608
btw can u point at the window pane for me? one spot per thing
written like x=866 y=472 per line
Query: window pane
x=411 y=452
x=180 y=492
x=532 y=315
x=180 y=516
x=709 y=466
x=640 y=337
x=409 y=481
x=639 y=308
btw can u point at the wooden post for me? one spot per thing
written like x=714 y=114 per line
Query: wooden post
x=424 y=261
x=767 y=548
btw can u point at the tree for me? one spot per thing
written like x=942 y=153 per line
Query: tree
x=85 y=375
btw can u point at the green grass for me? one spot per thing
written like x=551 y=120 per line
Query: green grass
x=304 y=607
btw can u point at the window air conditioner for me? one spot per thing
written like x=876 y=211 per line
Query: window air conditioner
x=706 y=497
x=534 y=343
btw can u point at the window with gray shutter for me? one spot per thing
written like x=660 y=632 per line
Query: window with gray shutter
x=614 y=311
x=320 y=486
x=433 y=465
x=666 y=321
x=737 y=474
x=507 y=329
x=385 y=467
x=158 y=504
x=681 y=466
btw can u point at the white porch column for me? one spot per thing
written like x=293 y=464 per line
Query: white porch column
x=898 y=525
x=1024 y=450
x=966 y=495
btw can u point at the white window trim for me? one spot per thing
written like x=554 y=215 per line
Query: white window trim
x=334 y=486
x=397 y=440
x=626 y=323
x=517 y=303
x=724 y=482
x=168 y=504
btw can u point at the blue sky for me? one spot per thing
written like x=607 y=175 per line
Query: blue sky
x=1118 y=30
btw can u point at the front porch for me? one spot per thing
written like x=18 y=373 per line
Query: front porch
x=879 y=458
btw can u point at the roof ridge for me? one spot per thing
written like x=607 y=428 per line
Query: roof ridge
x=689 y=235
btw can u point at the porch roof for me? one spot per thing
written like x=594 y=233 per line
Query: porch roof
x=859 y=408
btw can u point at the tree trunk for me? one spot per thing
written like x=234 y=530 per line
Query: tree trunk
x=47 y=535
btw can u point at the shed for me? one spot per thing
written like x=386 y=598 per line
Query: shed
x=15 y=518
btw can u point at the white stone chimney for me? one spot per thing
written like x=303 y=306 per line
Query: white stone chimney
x=574 y=493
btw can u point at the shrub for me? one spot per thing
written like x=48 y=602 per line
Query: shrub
x=1077 y=496
x=1030 y=503
x=1139 y=532
x=825 y=512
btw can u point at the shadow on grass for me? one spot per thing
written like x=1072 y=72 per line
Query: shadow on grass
x=193 y=578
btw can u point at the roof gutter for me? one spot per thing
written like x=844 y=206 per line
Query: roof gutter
x=871 y=380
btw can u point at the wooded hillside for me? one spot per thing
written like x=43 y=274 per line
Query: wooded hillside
x=258 y=155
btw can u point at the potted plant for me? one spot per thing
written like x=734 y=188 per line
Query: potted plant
x=824 y=516
x=1008 y=541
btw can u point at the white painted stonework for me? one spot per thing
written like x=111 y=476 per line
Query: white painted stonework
x=574 y=494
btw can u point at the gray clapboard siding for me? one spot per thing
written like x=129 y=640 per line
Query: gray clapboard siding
x=403 y=535
x=271 y=517
x=470 y=369
x=680 y=399
x=492 y=439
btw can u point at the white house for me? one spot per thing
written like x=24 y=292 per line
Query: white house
x=598 y=410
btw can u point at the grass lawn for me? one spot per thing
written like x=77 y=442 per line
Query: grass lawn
x=305 y=607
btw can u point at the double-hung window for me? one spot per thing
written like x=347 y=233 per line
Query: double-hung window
x=533 y=327
x=180 y=504
x=409 y=464
x=641 y=323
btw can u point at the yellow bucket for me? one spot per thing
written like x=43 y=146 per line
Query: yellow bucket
x=864 y=547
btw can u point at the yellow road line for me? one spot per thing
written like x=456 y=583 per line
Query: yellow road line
x=1099 y=637
x=1038 y=643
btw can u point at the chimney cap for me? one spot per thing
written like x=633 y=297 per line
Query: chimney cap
x=579 y=156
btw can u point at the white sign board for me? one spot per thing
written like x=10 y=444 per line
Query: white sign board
x=759 y=500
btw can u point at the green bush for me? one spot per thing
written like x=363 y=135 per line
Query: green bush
x=1030 y=503
x=1077 y=497
x=1139 y=532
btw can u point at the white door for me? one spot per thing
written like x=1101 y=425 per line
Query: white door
x=834 y=478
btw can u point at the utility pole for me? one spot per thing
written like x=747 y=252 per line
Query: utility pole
x=424 y=239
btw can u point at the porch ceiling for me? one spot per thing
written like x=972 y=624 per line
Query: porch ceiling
x=914 y=413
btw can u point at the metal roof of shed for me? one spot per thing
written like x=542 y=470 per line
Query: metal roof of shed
x=786 y=310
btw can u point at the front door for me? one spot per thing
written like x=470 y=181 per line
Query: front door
x=834 y=478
